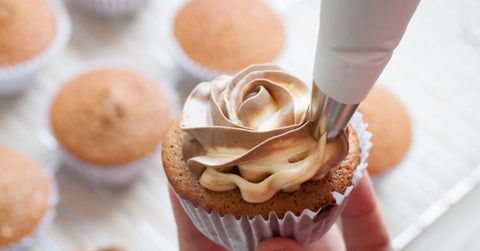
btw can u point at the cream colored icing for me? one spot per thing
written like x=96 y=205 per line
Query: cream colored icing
x=253 y=131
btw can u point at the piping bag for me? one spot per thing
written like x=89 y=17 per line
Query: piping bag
x=355 y=42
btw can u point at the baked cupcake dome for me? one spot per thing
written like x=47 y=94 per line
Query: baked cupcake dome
x=227 y=36
x=110 y=117
x=25 y=198
x=390 y=124
x=26 y=27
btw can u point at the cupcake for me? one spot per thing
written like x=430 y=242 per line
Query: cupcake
x=109 y=123
x=27 y=200
x=111 y=8
x=215 y=37
x=26 y=46
x=245 y=166
x=390 y=124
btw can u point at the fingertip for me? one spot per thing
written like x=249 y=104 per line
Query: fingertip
x=363 y=226
x=278 y=244
x=362 y=199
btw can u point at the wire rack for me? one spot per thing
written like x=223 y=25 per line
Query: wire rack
x=434 y=72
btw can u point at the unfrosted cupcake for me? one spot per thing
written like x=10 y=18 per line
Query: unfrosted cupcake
x=109 y=124
x=27 y=200
x=111 y=8
x=390 y=124
x=245 y=166
x=216 y=37
x=26 y=45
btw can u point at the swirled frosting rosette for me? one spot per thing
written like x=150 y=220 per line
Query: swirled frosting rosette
x=254 y=131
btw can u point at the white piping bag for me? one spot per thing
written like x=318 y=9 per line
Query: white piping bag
x=355 y=42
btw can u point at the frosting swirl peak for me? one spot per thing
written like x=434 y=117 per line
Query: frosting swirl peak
x=253 y=131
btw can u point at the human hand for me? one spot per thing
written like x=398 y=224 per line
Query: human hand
x=362 y=224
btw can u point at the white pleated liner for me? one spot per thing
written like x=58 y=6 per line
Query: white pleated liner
x=192 y=68
x=14 y=78
x=108 y=175
x=245 y=234
x=47 y=219
x=111 y=8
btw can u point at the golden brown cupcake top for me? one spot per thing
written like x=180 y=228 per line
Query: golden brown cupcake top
x=110 y=116
x=26 y=29
x=24 y=196
x=229 y=35
x=390 y=124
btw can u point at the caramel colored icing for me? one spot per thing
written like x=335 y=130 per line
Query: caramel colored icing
x=253 y=131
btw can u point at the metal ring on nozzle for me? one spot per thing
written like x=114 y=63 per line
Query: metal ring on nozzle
x=330 y=115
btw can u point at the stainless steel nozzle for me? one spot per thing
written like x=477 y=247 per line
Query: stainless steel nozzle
x=330 y=115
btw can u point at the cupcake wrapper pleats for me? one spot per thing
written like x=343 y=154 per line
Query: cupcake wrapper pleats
x=245 y=234
x=111 y=8
x=191 y=68
x=114 y=176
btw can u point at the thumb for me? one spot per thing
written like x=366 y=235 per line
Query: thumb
x=279 y=244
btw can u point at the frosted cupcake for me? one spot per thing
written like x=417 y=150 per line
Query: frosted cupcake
x=216 y=37
x=111 y=8
x=27 y=200
x=26 y=46
x=109 y=124
x=245 y=166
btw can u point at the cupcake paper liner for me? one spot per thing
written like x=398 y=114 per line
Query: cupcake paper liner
x=111 y=8
x=245 y=233
x=16 y=77
x=108 y=175
x=47 y=219
x=192 y=69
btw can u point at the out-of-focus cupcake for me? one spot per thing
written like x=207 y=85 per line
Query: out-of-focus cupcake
x=245 y=165
x=27 y=200
x=111 y=8
x=109 y=124
x=25 y=45
x=390 y=124
x=222 y=37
